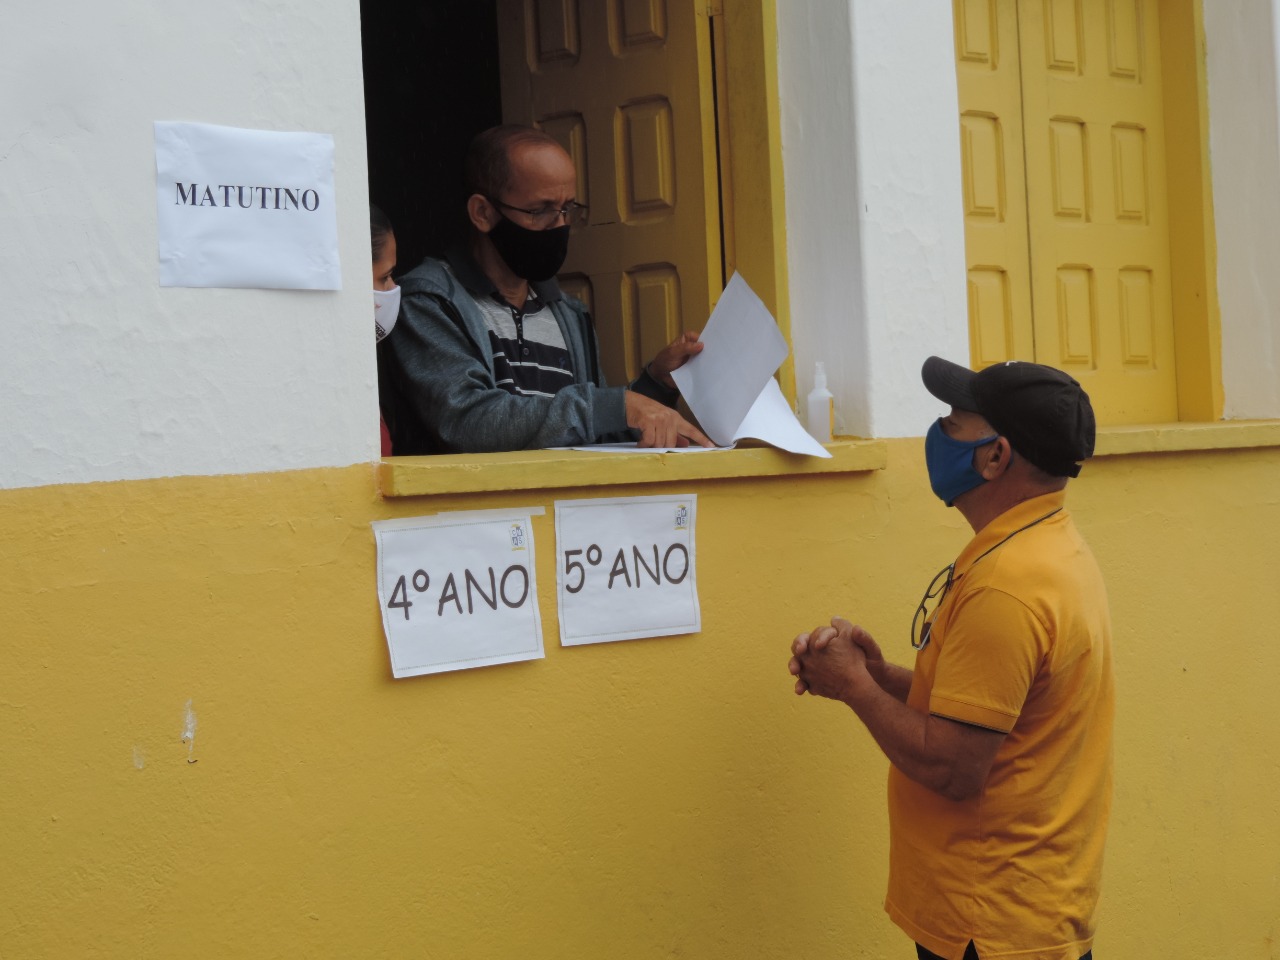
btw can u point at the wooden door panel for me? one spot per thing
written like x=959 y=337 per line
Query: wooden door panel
x=626 y=86
x=1066 y=222
x=1098 y=224
x=993 y=178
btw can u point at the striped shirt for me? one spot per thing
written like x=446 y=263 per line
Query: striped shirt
x=530 y=358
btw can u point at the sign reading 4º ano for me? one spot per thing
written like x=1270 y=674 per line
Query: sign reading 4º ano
x=458 y=591
x=626 y=568
x=245 y=208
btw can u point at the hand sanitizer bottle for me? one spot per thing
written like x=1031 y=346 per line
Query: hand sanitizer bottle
x=820 y=406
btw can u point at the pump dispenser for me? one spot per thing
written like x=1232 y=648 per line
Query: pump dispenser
x=820 y=406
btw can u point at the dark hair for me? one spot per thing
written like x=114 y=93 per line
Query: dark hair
x=379 y=230
x=488 y=168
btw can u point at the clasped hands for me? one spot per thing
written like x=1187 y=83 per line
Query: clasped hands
x=831 y=661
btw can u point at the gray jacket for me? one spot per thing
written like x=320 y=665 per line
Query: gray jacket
x=441 y=375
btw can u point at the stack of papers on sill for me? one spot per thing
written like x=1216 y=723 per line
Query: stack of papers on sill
x=729 y=386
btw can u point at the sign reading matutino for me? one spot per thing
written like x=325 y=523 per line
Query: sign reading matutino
x=245 y=208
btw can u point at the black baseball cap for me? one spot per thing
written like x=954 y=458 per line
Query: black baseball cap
x=1045 y=415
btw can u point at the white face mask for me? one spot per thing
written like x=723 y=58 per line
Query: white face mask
x=386 y=310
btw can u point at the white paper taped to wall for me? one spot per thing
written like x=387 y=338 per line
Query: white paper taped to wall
x=245 y=208
x=627 y=568
x=458 y=591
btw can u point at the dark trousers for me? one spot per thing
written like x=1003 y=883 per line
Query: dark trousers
x=970 y=954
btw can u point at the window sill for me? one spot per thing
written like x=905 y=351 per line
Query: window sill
x=551 y=469
x=1178 y=437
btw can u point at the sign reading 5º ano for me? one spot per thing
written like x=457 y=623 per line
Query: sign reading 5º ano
x=626 y=568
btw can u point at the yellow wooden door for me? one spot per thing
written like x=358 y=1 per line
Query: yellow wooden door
x=994 y=182
x=1096 y=207
x=626 y=86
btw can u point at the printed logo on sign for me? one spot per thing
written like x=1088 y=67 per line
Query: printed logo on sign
x=517 y=536
x=682 y=516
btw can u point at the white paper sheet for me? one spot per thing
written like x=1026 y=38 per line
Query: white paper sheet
x=742 y=348
x=729 y=386
x=458 y=591
x=626 y=568
x=245 y=208
x=772 y=420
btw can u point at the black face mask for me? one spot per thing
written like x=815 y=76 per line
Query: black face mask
x=531 y=254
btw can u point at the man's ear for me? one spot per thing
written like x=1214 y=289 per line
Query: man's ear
x=998 y=459
x=481 y=212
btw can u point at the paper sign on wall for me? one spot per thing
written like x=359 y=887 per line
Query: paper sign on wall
x=626 y=568
x=245 y=208
x=458 y=591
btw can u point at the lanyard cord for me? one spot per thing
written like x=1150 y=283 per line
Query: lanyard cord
x=950 y=571
x=1011 y=536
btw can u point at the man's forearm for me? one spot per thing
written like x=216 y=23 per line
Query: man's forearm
x=894 y=680
x=649 y=386
x=949 y=757
x=908 y=738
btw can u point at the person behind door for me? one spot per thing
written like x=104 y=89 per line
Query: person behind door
x=489 y=354
x=999 y=739
x=386 y=303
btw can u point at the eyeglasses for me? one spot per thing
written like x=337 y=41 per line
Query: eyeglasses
x=922 y=622
x=545 y=216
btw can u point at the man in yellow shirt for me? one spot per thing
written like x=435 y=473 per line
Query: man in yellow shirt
x=1000 y=736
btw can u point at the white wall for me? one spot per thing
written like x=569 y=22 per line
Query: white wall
x=105 y=376
x=1242 y=39
x=875 y=233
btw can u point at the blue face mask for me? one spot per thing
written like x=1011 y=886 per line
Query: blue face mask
x=950 y=463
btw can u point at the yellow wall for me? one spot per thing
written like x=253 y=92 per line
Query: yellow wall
x=643 y=799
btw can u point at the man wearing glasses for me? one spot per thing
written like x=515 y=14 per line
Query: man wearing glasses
x=488 y=354
x=999 y=738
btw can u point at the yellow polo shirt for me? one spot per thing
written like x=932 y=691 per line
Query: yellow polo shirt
x=1021 y=643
